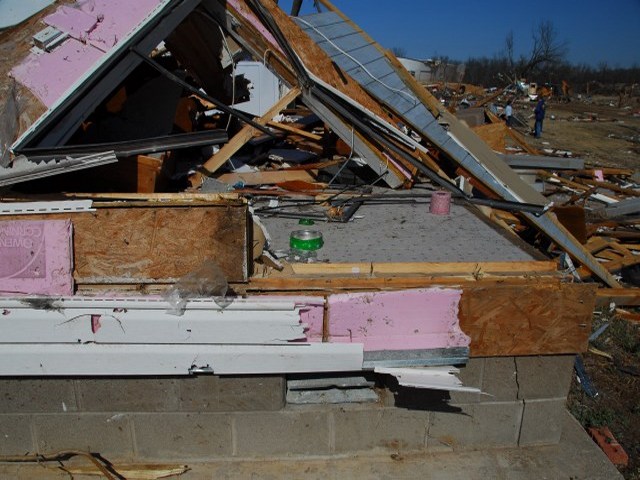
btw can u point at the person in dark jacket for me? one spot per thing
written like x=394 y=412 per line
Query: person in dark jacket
x=539 y=113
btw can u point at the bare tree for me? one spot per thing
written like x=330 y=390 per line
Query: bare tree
x=546 y=51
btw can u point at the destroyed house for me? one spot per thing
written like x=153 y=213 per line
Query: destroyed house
x=171 y=259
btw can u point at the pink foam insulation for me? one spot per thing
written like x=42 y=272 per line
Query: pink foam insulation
x=36 y=257
x=49 y=75
x=425 y=318
x=94 y=27
x=250 y=17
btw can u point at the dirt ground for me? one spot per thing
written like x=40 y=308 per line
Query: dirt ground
x=604 y=134
x=596 y=129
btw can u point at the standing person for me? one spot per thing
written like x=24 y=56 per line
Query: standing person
x=539 y=113
x=508 y=113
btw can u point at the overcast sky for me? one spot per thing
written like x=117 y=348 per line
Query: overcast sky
x=595 y=31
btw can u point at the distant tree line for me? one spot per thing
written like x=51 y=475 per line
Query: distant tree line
x=489 y=72
x=546 y=64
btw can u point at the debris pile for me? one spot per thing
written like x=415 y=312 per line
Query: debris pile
x=190 y=130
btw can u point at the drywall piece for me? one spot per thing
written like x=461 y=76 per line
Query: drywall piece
x=36 y=257
x=96 y=359
x=145 y=320
x=424 y=318
x=265 y=91
x=437 y=378
x=159 y=243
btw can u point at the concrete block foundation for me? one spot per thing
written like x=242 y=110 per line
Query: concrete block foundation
x=208 y=417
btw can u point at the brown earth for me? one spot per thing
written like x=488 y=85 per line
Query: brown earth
x=604 y=134
x=598 y=131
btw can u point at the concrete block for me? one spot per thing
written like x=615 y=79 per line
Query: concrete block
x=15 y=435
x=544 y=376
x=499 y=380
x=483 y=425
x=251 y=393
x=300 y=431
x=47 y=395
x=109 y=435
x=198 y=394
x=542 y=422
x=127 y=394
x=471 y=376
x=228 y=394
x=393 y=429
x=179 y=436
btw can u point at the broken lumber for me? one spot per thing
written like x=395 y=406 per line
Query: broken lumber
x=242 y=137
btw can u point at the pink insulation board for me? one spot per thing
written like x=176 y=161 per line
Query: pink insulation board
x=36 y=257
x=94 y=27
x=424 y=318
x=49 y=75
x=101 y=23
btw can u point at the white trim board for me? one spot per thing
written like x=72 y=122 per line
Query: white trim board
x=140 y=321
x=101 y=360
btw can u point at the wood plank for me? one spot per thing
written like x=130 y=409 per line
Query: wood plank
x=243 y=136
x=628 y=297
x=423 y=268
x=296 y=131
x=465 y=268
x=507 y=320
x=157 y=243
x=330 y=284
x=266 y=177
x=173 y=198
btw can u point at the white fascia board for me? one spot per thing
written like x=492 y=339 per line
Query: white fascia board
x=138 y=321
x=146 y=303
x=101 y=359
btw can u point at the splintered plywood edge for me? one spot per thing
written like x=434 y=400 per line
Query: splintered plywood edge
x=505 y=320
x=158 y=244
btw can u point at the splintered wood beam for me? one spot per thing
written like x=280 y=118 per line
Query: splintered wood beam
x=426 y=268
x=266 y=177
x=242 y=137
x=295 y=131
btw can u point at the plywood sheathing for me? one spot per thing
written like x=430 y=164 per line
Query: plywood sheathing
x=543 y=320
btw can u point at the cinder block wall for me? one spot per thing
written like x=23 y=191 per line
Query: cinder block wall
x=208 y=417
